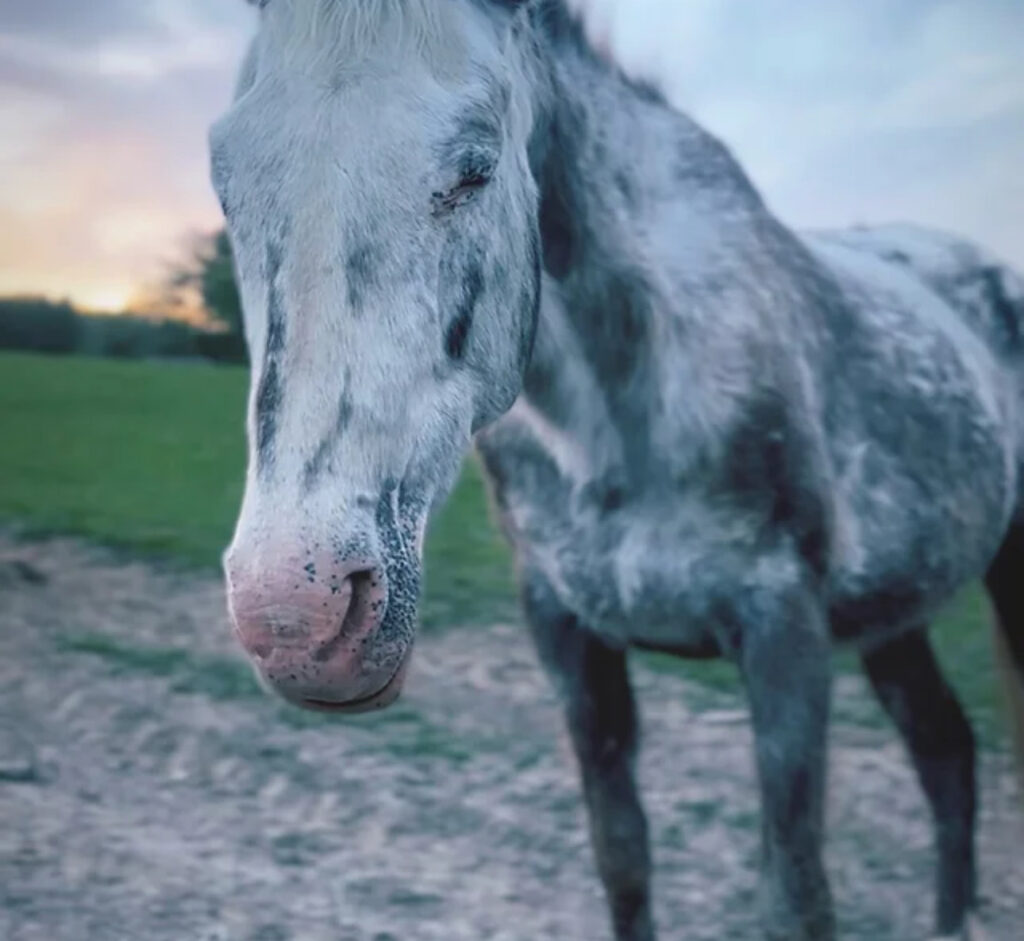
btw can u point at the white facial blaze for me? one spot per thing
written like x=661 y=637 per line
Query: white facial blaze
x=366 y=307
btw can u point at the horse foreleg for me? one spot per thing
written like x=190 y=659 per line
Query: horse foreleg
x=785 y=659
x=602 y=722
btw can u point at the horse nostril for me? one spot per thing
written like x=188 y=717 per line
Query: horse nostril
x=360 y=611
x=361 y=617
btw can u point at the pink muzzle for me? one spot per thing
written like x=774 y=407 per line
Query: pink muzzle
x=312 y=629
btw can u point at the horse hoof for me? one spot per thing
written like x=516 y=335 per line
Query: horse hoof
x=972 y=931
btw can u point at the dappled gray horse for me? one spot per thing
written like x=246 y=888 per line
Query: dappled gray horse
x=705 y=434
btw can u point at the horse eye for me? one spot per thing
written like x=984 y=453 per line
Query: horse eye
x=462 y=193
x=473 y=181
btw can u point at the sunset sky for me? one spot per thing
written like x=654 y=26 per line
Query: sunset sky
x=843 y=111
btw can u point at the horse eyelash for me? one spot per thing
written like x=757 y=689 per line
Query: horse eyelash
x=460 y=194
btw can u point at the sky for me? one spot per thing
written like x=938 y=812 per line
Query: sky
x=842 y=111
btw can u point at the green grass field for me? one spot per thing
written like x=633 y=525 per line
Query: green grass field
x=150 y=457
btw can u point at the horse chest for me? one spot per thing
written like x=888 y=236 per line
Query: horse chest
x=635 y=568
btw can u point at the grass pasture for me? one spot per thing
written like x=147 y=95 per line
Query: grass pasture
x=149 y=457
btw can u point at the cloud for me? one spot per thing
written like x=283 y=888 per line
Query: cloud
x=847 y=111
x=841 y=110
x=73 y=22
x=105 y=108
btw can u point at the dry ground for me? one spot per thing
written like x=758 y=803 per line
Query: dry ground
x=147 y=791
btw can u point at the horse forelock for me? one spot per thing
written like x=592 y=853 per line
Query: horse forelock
x=309 y=31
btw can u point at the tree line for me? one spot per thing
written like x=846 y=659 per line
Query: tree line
x=204 y=282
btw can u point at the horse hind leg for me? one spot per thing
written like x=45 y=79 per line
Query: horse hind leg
x=1003 y=582
x=909 y=683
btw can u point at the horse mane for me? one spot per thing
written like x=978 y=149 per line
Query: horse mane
x=312 y=32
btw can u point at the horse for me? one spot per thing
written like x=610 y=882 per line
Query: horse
x=457 y=224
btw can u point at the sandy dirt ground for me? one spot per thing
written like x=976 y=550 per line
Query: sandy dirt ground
x=147 y=793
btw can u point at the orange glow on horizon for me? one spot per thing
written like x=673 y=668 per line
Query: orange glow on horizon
x=111 y=299
x=102 y=224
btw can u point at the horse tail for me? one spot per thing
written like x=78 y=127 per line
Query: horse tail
x=1003 y=289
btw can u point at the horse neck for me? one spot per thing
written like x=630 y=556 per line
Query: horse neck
x=594 y=370
x=663 y=270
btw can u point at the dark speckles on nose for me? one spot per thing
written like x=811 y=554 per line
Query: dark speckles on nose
x=457 y=334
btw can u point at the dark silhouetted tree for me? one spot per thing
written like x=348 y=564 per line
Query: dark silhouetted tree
x=210 y=274
x=34 y=323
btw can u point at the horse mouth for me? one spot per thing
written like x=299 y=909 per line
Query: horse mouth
x=381 y=699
